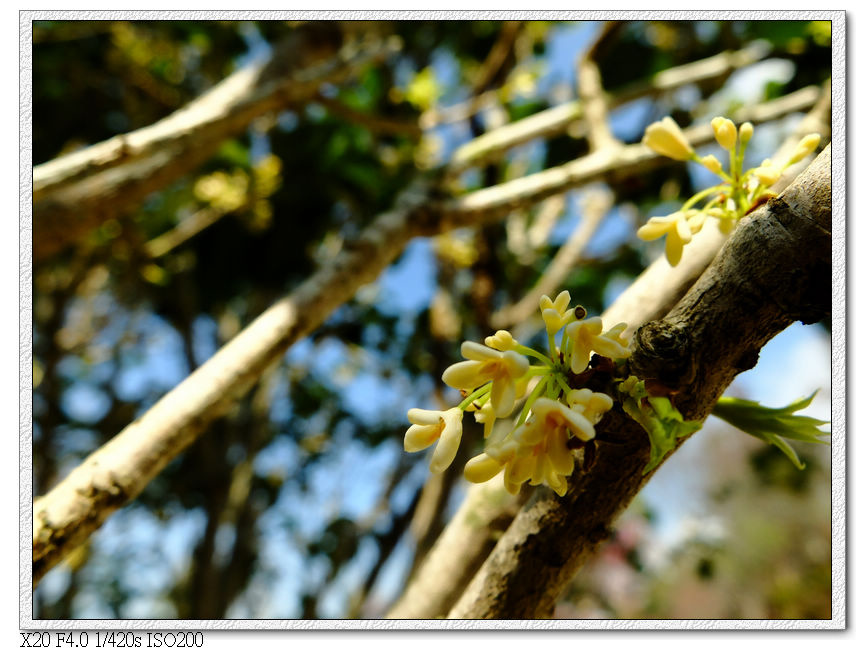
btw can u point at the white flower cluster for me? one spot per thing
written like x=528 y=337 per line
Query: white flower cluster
x=556 y=416
x=738 y=193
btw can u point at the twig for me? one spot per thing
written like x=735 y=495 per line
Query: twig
x=592 y=92
x=373 y=123
x=117 y=472
x=557 y=119
x=496 y=58
x=182 y=232
x=595 y=207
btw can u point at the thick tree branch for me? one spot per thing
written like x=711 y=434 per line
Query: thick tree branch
x=116 y=473
x=775 y=269
x=652 y=295
x=76 y=192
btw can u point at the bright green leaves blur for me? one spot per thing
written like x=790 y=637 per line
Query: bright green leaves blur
x=773 y=425
x=657 y=415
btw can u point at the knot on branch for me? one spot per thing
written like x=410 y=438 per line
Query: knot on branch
x=663 y=352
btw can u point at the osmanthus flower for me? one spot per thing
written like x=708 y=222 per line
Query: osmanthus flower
x=666 y=138
x=676 y=229
x=484 y=365
x=486 y=416
x=712 y=164
x=767 y=173
x=442 y=428
x=806 y=145
x=555 y=312
x=502 y=340
x=590 y=404
x=740 y=192
x=557 y=410
x=725 y=132
x=537 y=451
x=586 y=336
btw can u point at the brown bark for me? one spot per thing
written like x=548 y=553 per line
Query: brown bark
x=775 y=269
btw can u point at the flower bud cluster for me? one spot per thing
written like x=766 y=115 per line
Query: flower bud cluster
x=739 y=192
x=558 y=413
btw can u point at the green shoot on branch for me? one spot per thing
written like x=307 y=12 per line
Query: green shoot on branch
x=773 y=425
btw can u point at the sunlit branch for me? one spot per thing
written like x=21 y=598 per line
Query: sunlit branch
x=74 y=193
x=558 y=119
x=117 y=472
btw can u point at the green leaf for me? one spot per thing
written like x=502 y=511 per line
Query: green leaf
x=773 y=425
x=660 y=419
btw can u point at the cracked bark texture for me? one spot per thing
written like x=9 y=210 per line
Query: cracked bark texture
x=775 y=269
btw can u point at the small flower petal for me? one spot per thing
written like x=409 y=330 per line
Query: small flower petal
x=502 y=340
x=464 y=375
x=449 y=442
x=712 y=164
x=423 y=416
x=477 y=352
x=806 y=145
x=666 y=138
x=725 y=132
x=503 y=397
x=482 y=468
x=419 y=437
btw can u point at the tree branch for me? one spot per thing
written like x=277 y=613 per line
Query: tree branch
x=117 y=472
x=556 y=120
x=775 y=269
x=74 y=193
x=460 y=550
x=630 y=159
x=591 y=89
x=595 y=208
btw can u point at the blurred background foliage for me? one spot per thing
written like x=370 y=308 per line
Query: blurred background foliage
x=301 y=503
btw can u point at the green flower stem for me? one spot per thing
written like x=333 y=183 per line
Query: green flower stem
x=566 y=354
x=552 y=341
x=562 y=383
x=536 y=392
x=478 y=393
x=564 y=349
x=701 y=195
x=522 y=349
x=536 y=371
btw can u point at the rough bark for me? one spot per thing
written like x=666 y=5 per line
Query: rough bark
x=775 y=269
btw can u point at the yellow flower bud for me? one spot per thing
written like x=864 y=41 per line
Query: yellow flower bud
x=745 y=132
x=711 y=163
x=767 y=173
x=806 y=146
x=666 y=138
x=725 y=132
